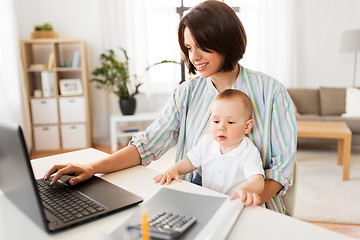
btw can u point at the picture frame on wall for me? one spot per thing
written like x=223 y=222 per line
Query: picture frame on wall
x=69 y=87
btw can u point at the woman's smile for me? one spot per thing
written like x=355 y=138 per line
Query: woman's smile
x=201 y=67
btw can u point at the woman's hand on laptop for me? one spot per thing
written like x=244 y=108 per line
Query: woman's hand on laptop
x=80 y=172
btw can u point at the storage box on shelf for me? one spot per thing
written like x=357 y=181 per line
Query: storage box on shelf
x=56 y=84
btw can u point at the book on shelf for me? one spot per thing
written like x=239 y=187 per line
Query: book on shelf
x=38 y=66
x=48 y=83
x=51 y=61
x=129 y=129
x=76 y=59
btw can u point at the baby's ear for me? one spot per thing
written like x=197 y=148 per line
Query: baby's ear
x=249 y=125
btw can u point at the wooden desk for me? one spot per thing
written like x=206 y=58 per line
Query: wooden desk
x=330 y=130
x=15 y=225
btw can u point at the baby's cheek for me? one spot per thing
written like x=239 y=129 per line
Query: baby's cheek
x=213 y=130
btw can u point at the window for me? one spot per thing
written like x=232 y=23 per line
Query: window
x=160 y=34
x=156 y=39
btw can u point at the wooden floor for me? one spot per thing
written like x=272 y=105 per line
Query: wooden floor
x=346 y=229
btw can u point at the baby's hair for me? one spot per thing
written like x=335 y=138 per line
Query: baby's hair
x=239 y=96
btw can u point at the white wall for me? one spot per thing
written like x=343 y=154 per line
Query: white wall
x=320 y=24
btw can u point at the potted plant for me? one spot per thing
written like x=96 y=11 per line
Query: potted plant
x=113 y=75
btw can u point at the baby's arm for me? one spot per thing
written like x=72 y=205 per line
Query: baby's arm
x=250 y=191
x=182 y=167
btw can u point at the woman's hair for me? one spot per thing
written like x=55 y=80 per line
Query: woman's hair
x=236 y=95
x=215 y=27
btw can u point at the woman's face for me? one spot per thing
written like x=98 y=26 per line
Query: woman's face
x=206 y=63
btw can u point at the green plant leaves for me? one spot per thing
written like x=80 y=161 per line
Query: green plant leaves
x=113 y=75
x=44 y=27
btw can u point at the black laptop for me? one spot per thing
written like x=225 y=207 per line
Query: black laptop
x=55 y=207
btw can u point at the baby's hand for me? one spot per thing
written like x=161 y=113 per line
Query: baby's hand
x=247 y=197
x=167 y=177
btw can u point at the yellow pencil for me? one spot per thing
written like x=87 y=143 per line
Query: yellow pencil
x=145 y=225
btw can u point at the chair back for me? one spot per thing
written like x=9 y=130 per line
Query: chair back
x=290 y=197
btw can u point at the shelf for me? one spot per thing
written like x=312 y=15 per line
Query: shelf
x=135 y=118
x=39 y=70
x=117 y=120
x=129 y=134
x=72 y=119
x=56 y=96
x=52 y=41
x=67 y=69
x=58 y=69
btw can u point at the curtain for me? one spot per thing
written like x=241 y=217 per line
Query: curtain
x=12 y=94
x=148 y=31
x=271 y=30
x=277 y=40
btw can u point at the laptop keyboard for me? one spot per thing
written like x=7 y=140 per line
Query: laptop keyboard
x=61 y=201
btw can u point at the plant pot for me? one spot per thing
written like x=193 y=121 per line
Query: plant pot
x=127 y=106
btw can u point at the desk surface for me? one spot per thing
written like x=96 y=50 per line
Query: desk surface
x=253 y=223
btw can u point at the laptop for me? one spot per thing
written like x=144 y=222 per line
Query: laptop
x=91 y=199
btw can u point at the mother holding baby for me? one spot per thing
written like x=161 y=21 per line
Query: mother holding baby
x=212 y=41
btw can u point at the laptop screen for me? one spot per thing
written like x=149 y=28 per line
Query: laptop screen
x=16 y=176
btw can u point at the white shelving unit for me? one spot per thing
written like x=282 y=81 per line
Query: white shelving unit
x=117 y=121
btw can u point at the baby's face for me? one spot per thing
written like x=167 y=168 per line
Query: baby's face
x=228 y=123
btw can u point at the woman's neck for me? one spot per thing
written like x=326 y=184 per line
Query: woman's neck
x=225 y=80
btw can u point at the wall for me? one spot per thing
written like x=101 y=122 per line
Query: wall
x=320 y=26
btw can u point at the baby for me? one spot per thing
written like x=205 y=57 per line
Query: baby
x=230 y=163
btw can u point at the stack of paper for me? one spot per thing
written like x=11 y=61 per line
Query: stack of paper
x=215 y=215
x=48 y=83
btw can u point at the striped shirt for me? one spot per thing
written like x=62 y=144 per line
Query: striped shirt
x=186 y=113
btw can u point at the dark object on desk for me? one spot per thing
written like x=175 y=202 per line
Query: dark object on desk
x=18 y=183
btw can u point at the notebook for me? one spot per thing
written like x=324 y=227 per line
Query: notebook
x=19 y=185
x=215 y=215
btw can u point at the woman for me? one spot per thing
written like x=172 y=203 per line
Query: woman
x=212 y=40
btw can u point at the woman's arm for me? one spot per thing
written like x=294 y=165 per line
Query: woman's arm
x=124 y=158
x=143 y=148
x=271 y=188
x=283 y=138
x=129 y=158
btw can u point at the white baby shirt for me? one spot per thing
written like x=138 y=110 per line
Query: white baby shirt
x=225 y=172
